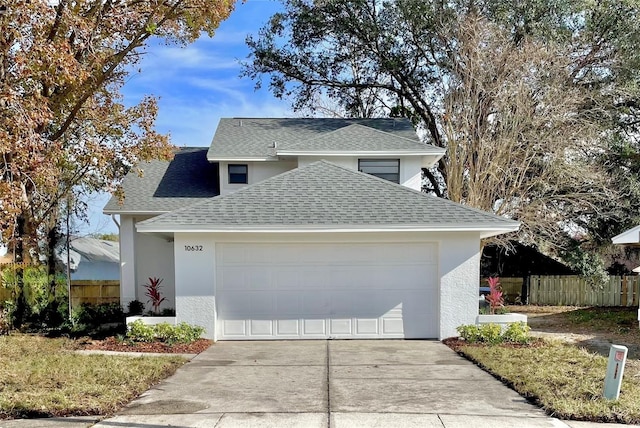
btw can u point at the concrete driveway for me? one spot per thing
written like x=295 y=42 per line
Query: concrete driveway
x=338 y=383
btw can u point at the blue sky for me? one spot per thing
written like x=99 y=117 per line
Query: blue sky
x=197 y=85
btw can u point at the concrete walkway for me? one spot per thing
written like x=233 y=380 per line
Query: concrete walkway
x=328 y=384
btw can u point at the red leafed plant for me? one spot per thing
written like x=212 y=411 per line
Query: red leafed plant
x=153 y=293
x=494 y=297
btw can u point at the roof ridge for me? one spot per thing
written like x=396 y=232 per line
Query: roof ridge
x=358 y=125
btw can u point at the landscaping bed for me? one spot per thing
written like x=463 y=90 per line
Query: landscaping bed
x=116 y=344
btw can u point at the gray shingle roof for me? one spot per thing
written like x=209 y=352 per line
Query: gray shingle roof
x=322 y=195
x=358 y=138
x=167 y=186
x=253 y=137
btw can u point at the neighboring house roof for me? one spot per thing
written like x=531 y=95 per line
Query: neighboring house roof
x=631 y=236
x=254 y=138
x=324 y=196
x=168 y=185
x=91 y=249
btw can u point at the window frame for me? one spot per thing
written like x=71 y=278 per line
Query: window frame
x=237 y=175
x=396 y=160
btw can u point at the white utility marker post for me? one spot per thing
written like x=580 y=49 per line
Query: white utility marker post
x=615 y=370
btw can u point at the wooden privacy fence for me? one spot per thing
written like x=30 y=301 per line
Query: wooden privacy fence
x=575 y=291
x=84 y=291
x=94 y=292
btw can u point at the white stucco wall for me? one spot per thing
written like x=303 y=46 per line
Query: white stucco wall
x=256 y=172
x=127 y=260
x=458 y=268
x=154 y=258
x=195 y=280
x=143 y=256
x=460 y=273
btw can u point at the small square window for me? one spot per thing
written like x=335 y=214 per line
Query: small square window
x=238 y=174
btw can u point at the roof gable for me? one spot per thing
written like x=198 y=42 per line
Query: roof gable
x=254 y=138
x=324 y=196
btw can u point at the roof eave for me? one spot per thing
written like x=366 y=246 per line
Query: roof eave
x=373 y=153
x=631 y=236
x=484 y=230
x=133 y=212
x=240 y=158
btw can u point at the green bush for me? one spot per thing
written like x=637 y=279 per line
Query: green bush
x=170 y=334
x=493 y=334
x=95 y=315
x=135 y=307
x=39 y=301
x=517 y=332
x=138 y=331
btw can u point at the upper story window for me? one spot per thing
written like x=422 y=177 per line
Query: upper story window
x=238 y=174
x=389 y=169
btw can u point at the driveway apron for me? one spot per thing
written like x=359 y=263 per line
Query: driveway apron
x=335 y=383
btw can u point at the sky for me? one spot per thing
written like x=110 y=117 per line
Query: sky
x=196 y=86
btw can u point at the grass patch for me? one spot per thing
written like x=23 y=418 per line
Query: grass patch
x=566 y=381
x=42 y=377
x=605 y=319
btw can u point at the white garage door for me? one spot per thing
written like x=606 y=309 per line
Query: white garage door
x=319 y=290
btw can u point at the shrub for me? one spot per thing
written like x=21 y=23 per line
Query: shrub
x=517 y=332
x=138 y=331
x=95 y=315
x=135 y=307
x=5 y=322
x=170 y=334
x=492 y=333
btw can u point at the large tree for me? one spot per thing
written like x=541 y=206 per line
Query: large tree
x=64 y=129
x=529 y=98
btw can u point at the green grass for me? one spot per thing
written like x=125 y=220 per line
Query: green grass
x=605 y=318
x=566 y=381
x=43 y=377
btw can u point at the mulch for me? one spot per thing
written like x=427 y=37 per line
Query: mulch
x=113 y=344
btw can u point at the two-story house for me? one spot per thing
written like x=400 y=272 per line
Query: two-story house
x=302 y=229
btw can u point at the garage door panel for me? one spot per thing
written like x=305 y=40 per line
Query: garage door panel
x=314 y=327
x=319 y=290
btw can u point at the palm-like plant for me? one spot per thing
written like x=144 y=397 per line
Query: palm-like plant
x=494 y=297
x=152 y=291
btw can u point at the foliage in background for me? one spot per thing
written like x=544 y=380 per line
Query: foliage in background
x=99 y=320
x=43 y=307
x=138 y=331
x=64 y=128
x=537 y=103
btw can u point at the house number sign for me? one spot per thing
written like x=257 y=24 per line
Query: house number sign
x=193 y=248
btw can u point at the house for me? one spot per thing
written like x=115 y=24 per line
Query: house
x=630 y=238
x=90 y=258
x=303 y=229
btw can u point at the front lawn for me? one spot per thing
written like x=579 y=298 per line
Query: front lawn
x=565 y=380
x=43 y=377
